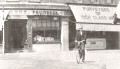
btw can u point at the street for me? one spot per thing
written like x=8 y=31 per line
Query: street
x=100 y=59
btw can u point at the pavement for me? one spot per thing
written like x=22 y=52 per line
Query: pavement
x=111 y=58
x=39 y=64
x=95 y=59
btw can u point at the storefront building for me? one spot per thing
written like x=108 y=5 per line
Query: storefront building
x=36 y=26
x=97 y=20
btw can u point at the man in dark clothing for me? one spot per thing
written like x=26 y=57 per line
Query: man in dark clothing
x=81 y=41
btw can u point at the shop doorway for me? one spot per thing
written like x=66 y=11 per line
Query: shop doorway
x=15 y=35
x=112 y=39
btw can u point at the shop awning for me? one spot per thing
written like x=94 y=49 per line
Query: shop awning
x=93 y=14
x=17 y=17
x=94 y=18
x=98 y=27
x=3 y=17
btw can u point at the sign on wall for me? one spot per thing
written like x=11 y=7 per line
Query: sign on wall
x=93 y=14
x=39 y=12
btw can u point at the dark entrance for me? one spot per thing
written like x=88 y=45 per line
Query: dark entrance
x=112 y=40
x=72 y=35
x=15 y=35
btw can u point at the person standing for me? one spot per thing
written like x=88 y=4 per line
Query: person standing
x=81 y=41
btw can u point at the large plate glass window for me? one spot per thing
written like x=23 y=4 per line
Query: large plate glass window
x=46 y=30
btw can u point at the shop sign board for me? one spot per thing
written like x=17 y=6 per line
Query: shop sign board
x=38 y=12
x=93 y=14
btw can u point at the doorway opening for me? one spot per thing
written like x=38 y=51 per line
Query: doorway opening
x=15 y=35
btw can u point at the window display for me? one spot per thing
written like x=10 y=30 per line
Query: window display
x=46 y=30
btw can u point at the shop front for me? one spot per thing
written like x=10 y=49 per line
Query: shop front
x=97 y=21
x=37 y=30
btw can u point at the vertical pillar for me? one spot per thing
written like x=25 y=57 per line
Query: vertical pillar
x=65 y=34
x=29 y=34
x=119 y=40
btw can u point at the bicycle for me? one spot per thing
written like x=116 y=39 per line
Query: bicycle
x=80 y=57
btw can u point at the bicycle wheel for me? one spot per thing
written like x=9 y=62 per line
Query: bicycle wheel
x=78 y=58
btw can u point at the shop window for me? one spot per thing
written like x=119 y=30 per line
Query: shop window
x=46 y=30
